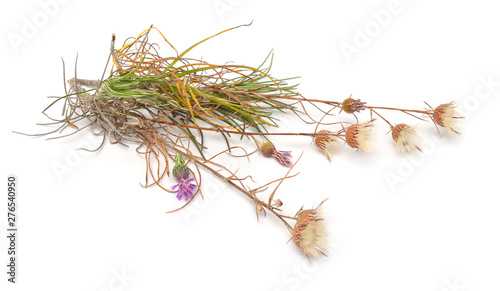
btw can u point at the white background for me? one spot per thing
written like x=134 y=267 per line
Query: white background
x=435 y=228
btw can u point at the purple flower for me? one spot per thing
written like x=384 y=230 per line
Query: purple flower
x=283 y=157
x=181 y=173
x=186 y=189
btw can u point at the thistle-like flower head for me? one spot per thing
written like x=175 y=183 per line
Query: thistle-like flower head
x=446 y=115
x=358 y=136
x=181 y=173
x=180 y=170
x=309 y=233
x=327 y=142
x=406 y=137
x=350 y=105
x=269 y=150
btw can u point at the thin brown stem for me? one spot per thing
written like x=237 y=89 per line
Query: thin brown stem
x=234 y=131
x=382 y=118
x=399 y=109
x=274 y=192
x=369 y=107
x=241 y=189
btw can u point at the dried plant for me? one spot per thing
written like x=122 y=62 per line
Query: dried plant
x=166 y=105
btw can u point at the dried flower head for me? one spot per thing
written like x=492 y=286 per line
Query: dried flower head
x=327 y=142
x=406 y=137
x=279 y=203
x=268 y=150
x=445 y=115
x=181 y=173
x=309 y=233
x=358 y=136
x=350 y=105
